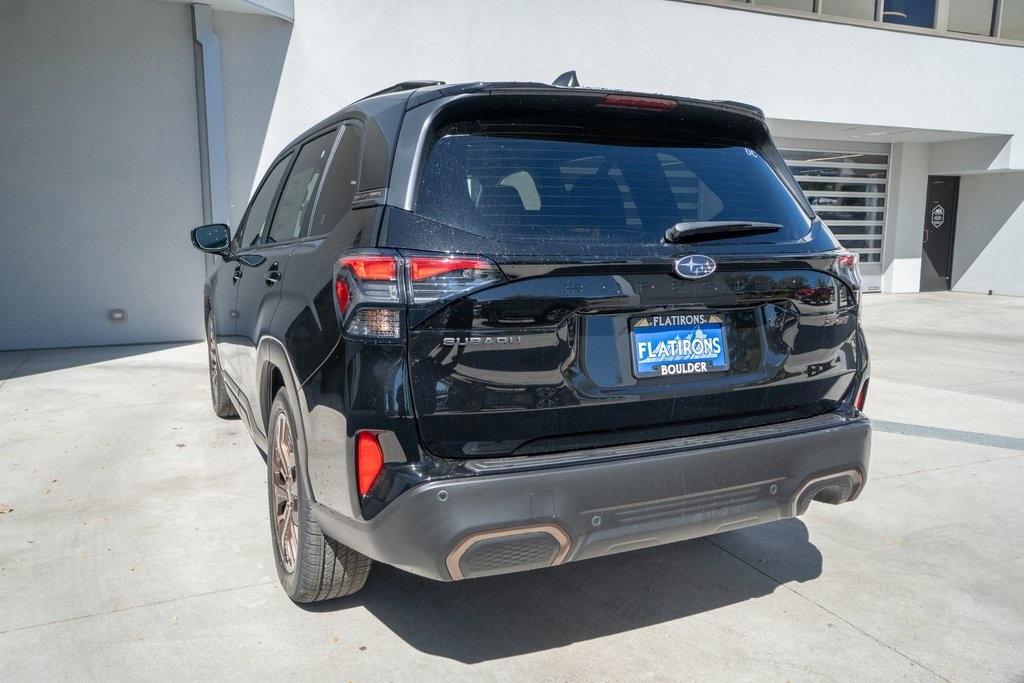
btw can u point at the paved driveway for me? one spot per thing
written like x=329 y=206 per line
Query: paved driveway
x=138 y=544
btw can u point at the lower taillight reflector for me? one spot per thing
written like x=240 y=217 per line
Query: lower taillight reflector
x=342 y=295
x=369 y=461
x=862 y=396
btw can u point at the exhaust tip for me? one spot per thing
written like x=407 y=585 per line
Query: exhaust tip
x=841 y=487
x=514 y=549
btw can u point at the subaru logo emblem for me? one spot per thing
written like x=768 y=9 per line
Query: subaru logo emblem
x=695 y=266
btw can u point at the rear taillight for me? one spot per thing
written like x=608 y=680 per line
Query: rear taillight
x=361 y=281
x=846 y=259
x=369 y=461
x=372 y=268
x=371 y=288
x=375 y=277
x=847 y=266
x=436 y=278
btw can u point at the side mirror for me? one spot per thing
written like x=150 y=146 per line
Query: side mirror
x=213 y=239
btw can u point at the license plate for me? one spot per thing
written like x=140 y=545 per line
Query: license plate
x=678 y=344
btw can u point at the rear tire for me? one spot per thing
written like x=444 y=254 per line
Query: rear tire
x=222 y=405
x=311 y=566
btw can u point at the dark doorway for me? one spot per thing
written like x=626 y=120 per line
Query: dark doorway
x=939 y=228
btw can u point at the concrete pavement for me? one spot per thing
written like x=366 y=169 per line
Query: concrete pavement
x=138 y=544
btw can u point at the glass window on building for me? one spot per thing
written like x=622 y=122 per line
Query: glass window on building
x=856 y=9
x=848 y=189
x=971 y=16
x=1012 y=25
x=805 y=5
x=909 y=12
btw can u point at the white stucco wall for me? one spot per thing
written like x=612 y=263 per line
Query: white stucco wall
x=253 y=51
x=793 y=69
x=990 y=234
x=100 y=178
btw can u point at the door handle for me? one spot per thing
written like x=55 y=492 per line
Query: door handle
x=237 y=275
x=273 y=275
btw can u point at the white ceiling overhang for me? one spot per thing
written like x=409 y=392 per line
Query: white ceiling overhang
x=821 y=130
x=282 y=9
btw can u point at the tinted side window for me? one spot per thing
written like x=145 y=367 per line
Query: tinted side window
x=256 y=218
x=340 y=182
x=300 y=189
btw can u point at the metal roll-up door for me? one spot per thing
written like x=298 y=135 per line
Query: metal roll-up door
x=847 y=185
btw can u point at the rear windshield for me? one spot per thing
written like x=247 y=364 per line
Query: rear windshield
x=561 y=187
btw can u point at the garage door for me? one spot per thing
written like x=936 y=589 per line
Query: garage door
x=847 y=187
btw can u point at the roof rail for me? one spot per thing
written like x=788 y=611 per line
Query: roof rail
x=404 y=85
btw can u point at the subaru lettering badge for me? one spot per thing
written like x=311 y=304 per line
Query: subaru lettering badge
x=695 y=266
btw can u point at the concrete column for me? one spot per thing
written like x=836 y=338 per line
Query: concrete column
x=210 y=105
x=904 y=220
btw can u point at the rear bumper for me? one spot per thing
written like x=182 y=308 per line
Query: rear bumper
x=524 y=513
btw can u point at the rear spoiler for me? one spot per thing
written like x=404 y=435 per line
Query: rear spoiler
x=429 y=93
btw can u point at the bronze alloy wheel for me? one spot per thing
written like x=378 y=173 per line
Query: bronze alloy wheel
x=310 y=565
x=286 y=492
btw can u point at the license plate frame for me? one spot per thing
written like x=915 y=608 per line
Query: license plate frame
x=678 y=331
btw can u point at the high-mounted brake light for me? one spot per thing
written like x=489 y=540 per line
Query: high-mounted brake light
x=369 y=461
x=637 y=102
x=371 y=287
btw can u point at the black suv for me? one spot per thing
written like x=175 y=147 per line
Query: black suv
x=490 y=327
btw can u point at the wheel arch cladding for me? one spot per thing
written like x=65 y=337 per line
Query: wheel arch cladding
x=273 y=381
x=275 y=374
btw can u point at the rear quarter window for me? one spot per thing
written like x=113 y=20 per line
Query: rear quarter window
x=339 y=186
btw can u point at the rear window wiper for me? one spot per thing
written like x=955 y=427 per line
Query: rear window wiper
x=689 y=231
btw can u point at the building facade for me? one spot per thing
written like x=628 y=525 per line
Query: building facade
x=127 y=122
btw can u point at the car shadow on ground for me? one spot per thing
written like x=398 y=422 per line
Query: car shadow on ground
x=17 y=364
x=492 y=618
